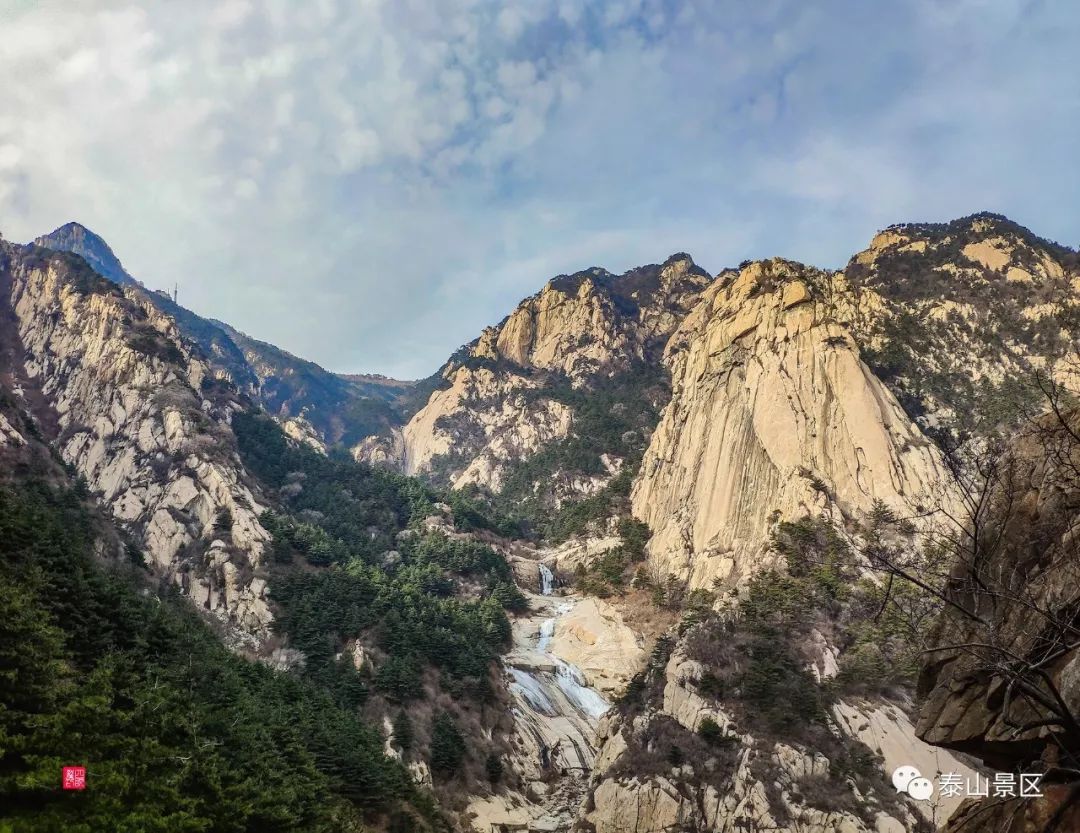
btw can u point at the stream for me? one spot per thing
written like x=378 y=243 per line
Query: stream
x=556 y=710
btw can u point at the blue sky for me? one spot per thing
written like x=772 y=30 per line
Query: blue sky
x=369 y=183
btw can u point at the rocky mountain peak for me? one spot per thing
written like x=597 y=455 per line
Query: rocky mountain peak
x=657 y=432
x=773 y=413
x=946 y=309
x=501 y=397
x=162 y=463
x=76 y=238
x=591 y=278
x=305 y=397
x=991 y=245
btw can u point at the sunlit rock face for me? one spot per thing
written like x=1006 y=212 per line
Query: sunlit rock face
x=496 y=406
x=787 y=384
x=326 y=407
x=570 y=657
x=950 y=313
x=138 y=414
x=773 y=415
x=510 y=424
x=594 y=637
x=750 y=783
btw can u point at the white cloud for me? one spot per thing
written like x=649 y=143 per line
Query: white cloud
x=369 y=183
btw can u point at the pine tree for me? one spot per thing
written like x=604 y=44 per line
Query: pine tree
x=447 y=746
x=403 y=731
x=493 y=766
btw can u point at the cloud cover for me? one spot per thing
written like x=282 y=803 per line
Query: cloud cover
x=367 y=183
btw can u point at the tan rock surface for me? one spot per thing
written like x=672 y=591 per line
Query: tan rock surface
x=772 y=415
x=886 y=730
x=594 y=637
x=491 y=411
x=134 y=424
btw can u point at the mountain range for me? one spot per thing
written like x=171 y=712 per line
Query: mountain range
x=665 y=550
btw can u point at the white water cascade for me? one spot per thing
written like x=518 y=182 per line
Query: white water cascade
x=555 y=708
x=547 y=580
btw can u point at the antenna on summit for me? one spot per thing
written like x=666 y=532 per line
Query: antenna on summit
x=175 y=292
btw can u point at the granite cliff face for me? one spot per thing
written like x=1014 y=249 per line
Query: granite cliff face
x=771 y=393
x=321 y=406
x=794 y=392
x=134 y=409
x=500 y=403
x=773 y=415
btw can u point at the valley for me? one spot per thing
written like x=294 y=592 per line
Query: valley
x=555 y=713
x=661 y=551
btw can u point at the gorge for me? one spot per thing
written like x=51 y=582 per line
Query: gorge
x=661 y=551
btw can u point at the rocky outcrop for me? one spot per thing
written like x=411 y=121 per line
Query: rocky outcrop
x=746 y=783
x=591 y=321
x=960 y=312
x=764 y=791
x=682 y=701
x=1003 y=681
x=571 y=325
x=78 y=239
x=1056 y=810
x=887 y=731
x=594 y=637
x=498 y=417
x=336 y=408
x=138 y=415
x=9 y=434
x=773 y=415
x=497 y=403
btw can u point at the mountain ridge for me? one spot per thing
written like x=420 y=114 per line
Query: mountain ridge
x=303 y=395
x=703 y=453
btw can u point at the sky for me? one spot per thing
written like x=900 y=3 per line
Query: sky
x=369 y=183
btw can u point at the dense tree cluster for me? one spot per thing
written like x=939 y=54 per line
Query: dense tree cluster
x=424 y=599
x=610 y=573
x=176 y=733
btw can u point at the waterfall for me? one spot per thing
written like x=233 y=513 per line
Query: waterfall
x=547 y=630
x=547 y=627
x=547 y=580
x=532 y=690
x=572 y=682
x=556 y=712
x=567 y=677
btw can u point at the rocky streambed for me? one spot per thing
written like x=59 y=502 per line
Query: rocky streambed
x=553 y=701
x=557 y=706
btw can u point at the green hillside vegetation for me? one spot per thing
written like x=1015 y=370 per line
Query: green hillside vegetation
x=755 y=654
x=612 y=417
x=926 y=357
x=176 y=733
x=422 y=598
x=758 y=650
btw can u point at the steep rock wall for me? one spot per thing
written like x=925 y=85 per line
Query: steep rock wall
x=138 y=416
x=773 y=415
x=492 y=410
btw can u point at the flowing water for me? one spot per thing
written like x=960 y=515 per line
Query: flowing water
x=555 y=708
x=547 y=580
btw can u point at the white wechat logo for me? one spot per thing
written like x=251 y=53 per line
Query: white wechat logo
x=909 y=780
